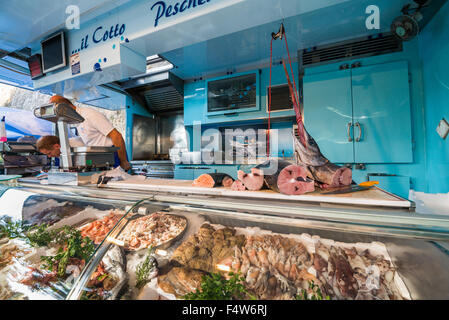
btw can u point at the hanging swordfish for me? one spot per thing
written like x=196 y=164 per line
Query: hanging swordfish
x=325 y=173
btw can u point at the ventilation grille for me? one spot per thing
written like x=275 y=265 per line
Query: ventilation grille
x=351 y=50
x=164 y=99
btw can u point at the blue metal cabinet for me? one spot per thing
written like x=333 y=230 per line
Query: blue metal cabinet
x=396 y=184
x=361 y=115
x=381 y=100
x=328 y=113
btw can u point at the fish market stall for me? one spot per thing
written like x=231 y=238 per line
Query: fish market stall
x=164 y=246
x=268 y=156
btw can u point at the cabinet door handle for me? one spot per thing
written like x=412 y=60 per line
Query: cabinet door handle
x=349 y=132
x=360 y=132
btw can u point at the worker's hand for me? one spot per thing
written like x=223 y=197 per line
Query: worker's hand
x=125 y=165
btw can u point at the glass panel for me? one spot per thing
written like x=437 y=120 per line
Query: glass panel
x=42 y=254
x=171 y=253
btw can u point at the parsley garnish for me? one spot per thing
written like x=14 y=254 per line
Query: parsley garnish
x=216 y=287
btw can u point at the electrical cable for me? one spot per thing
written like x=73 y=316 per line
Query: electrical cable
x=269 y=99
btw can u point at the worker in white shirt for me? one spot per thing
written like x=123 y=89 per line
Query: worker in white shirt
x=95 y=130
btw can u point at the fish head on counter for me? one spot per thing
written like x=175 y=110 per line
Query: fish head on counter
x=309 y=155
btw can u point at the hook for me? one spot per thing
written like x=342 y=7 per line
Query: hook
x=279 y=34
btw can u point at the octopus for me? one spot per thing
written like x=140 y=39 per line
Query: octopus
x=273 y=266
x=344 y=279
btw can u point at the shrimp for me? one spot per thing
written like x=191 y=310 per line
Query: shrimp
x=245 y=262
x=252 y=255
x=263 y=257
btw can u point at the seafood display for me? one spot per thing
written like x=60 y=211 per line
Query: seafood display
x=11 y=251
x=211 y=180
x=152 y=230
x=180 y=281
x=282 y=267
x=97 y=230
x=284 y=177
x=43 y=261
x=325 y=173
x=49 y=211
x=238 y=185
x=311 y=169
x=7 y=293
x=109 y=277
x=252 y=181
x=277 y=267
x=277 y=175
x=187 y=257
x=204 y=250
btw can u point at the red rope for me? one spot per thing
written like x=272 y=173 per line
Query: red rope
x=269 y=99
x=295 y=91
x=293 y=75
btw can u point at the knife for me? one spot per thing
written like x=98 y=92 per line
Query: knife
x=354 y=188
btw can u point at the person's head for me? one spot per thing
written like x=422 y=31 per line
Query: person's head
x=49 y=145
x=61 y=99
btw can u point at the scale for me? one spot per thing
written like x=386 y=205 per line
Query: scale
x=21 y=158
x=77 y=164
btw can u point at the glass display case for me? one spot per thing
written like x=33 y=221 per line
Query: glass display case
x=81 y=243
x=44 y=244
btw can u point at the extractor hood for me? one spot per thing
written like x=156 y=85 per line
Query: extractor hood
x=159 y=89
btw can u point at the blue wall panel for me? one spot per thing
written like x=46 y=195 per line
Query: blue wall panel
x=434 y=49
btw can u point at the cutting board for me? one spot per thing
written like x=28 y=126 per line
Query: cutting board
x=372 y=197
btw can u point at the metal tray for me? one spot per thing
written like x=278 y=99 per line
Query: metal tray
x=164 y=245
x=94 y=149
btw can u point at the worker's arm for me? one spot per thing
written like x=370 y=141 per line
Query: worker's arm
x=118 y=142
